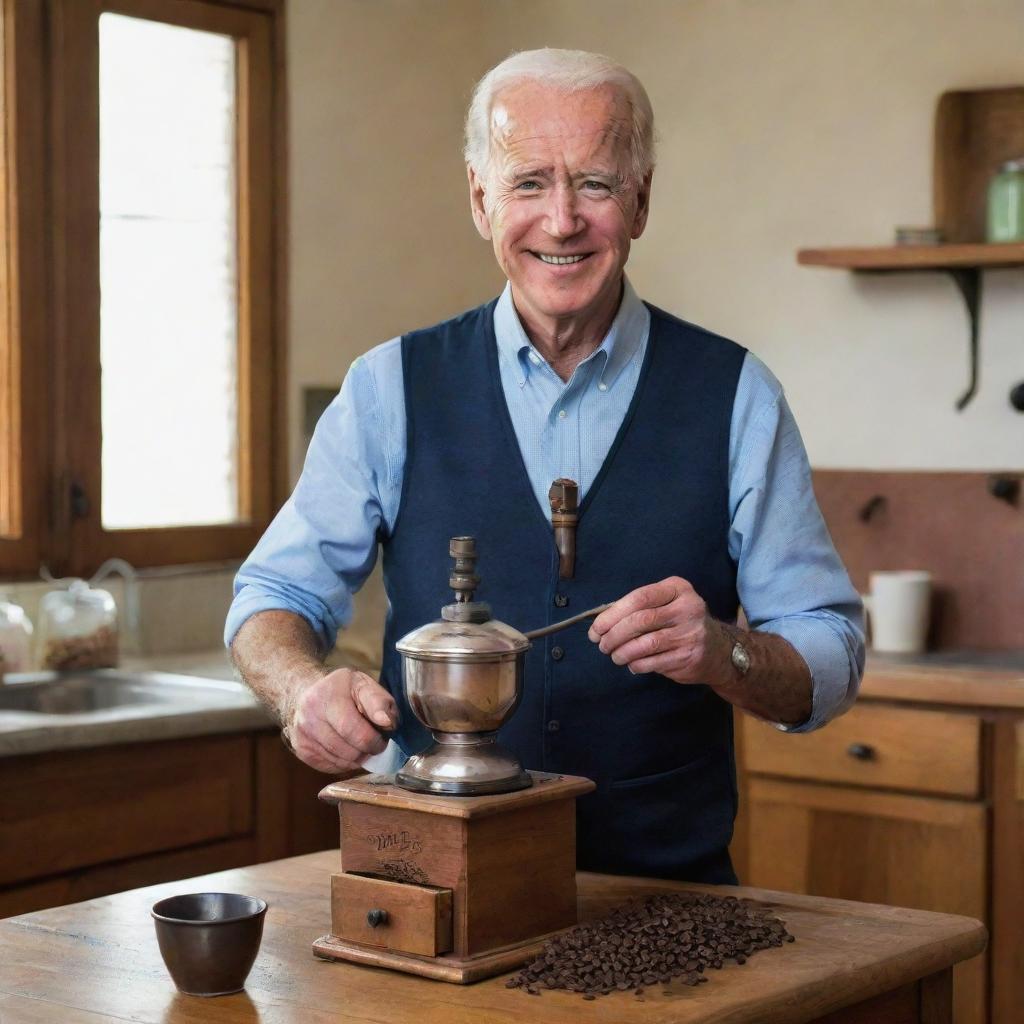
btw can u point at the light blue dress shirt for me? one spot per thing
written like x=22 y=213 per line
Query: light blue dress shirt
x=323 y=543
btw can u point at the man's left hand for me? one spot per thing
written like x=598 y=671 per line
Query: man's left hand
x=664 y=628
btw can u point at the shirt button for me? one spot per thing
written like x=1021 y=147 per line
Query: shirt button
x=557 y=653
x=561 y=414
x=602 y=386
x=561 y=600
x=554 y=725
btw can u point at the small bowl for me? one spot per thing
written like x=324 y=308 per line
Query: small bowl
x=209 y=940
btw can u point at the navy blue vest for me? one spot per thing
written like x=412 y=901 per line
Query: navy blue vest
x=661 y=753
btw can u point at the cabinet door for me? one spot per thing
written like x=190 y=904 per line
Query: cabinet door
x=903 y=851
x=71 y=809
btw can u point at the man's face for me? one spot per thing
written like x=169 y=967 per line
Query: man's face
x=559 y=201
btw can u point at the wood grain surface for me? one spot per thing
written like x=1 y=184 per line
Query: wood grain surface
x=418 y=917
x=381 y=791
x=98 y=961
x=509 y=859
x=975 y=131
x=969 y=688
x=862 y=844
x=913 y=257
x=872 y=745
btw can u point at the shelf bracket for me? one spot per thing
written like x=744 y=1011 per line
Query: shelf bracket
x=968 y=280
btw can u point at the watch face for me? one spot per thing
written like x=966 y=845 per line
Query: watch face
x=740 y=658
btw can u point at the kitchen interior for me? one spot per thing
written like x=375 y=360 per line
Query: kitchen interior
x=835 y=189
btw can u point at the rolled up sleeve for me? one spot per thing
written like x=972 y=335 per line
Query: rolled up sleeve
x=790 y=578
x=322 y=545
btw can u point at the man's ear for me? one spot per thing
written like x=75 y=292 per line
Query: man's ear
x=643 y=206
x=477 y=203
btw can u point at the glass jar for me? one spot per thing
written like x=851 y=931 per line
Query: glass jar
x=77 y=628
x=1006 y=203
x=15 y=637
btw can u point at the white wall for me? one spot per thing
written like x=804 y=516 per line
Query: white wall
x=783 y=124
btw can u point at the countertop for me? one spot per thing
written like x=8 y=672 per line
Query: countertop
x=993 y=679
x=98 y=962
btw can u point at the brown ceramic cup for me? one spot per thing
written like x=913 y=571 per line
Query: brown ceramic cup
x=209 y=940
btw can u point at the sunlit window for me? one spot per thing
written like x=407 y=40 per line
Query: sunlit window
x=168 y=275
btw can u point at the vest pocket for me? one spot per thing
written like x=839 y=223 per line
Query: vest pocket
x=663 y=777
x=674 y=824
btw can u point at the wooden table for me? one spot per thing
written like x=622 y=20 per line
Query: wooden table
x=95 y=962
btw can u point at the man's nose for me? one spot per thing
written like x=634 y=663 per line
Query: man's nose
x=563 y=217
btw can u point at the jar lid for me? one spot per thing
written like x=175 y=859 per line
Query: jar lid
x=1016 y=164
x=463 y=641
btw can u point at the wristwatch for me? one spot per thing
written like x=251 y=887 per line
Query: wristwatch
x=740 y=658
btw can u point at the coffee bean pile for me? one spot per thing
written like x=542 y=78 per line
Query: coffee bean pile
x=650 y=942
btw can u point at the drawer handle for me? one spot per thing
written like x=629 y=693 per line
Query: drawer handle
x=861 y=751
x=376 y=917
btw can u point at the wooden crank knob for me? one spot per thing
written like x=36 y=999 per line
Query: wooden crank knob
x=376 y=917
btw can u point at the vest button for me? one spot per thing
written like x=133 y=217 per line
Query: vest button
x=554 y=725
x=561 y=600
x=557 y=653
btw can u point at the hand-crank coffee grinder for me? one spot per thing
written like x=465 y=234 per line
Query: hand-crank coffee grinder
x=459 y=866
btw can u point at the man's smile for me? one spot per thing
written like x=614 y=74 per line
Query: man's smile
x=560 y=260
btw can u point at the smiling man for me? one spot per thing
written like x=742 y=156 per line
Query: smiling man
x=696 y=499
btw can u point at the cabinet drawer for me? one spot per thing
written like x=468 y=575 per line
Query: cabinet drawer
x=411 y=918
x=72 y=809
x=875 y=745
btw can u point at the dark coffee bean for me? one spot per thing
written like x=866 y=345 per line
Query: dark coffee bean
x=652 y=941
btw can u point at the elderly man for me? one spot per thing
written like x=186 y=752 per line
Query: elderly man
x=696 y=498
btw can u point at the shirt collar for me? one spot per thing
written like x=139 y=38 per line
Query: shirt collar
x=627 y=333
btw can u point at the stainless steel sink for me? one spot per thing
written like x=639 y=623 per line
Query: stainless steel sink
x=43 y=711
x=112 y=693
x=76 y=693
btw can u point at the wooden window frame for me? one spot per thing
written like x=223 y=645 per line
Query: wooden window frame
x=51 y=68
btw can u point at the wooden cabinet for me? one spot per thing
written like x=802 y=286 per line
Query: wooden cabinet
x=75 y=824
x=901 y=804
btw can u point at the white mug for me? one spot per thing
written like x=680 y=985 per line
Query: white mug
x=898 y=609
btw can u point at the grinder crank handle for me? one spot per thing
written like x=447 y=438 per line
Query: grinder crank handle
x=591 y=613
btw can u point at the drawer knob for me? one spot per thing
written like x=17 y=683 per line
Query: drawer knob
x=376 y=917
x=861 y=751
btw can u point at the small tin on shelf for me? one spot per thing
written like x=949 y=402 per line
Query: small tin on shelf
x=905 y=235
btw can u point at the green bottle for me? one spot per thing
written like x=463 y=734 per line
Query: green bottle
x=1006 y=203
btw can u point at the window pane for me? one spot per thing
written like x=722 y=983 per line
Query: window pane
x=168 y=277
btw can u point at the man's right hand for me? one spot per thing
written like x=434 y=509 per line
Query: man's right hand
x=334 y=721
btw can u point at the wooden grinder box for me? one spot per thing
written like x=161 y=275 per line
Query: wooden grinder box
x=452 y=888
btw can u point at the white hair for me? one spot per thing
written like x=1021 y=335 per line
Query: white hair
x=570 y=71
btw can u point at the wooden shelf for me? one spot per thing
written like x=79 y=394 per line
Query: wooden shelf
x=976 y=131
x=916 y=257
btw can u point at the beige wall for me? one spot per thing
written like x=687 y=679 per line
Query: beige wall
x=381 y=239
x=783 y=123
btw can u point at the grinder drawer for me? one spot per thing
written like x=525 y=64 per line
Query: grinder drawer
x=396 y=915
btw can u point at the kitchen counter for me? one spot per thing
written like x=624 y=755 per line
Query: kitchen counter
x=98 y=962
x=164 y=706
x=989 y=679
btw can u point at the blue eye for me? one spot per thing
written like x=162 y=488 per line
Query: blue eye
x=527 y=186
x=596 y=185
